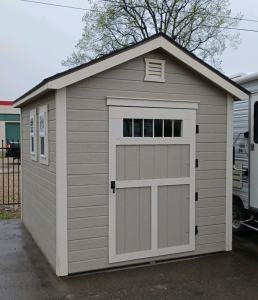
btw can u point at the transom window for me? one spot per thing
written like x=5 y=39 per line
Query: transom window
x=152 y=128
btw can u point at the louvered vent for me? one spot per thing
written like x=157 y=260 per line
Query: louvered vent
x=154 y=70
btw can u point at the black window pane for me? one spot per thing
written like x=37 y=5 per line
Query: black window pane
x=32 y=144
x=127 y=124
x=256 y=122
x=137 y=127
x=148 y=128
x=42 y=148
x=158 y=128
x=167 y=128
x=177 y=128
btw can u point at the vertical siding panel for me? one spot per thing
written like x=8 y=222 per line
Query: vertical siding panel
x=162 y=217
x=160 y=161
x=120 y=163
x=132 y=220
x=145 y=218
x=132 y=162
x=146 y=162
x=174 y=216
x=184 y=220
x=120 y=221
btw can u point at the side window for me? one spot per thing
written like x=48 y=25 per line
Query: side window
x=43 y=134
x=152 y=128
x=33 y=134
x=256 y=122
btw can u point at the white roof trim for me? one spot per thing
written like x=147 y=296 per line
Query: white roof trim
x=159 y=42
x=246 y=78
x=37 y=92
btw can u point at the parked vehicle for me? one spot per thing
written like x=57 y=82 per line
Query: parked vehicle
x=245 y=173
x=13 y=149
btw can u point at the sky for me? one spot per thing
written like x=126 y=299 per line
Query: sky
x=35 y=38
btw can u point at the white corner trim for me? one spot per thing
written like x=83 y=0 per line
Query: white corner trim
x=152 y=77
x=145 y=102
x=61 y=185
x=229 y=172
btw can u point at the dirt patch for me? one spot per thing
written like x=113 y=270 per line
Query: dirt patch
x=7 y=212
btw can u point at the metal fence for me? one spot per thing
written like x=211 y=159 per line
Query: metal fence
x=10 y=173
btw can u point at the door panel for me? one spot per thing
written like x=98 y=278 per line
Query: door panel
x=133 y=220
x=152 y=161
x=152 y=208
x=173 y=212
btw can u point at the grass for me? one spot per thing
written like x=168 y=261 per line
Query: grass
x=6 y=216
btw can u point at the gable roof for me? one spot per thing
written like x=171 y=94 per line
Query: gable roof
x=115 y=58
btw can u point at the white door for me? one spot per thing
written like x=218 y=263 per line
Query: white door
x=254 y=152
x=152 y=165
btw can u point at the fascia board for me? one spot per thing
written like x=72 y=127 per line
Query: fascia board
x=201 y=69
x=105 y=65
x=37 y=92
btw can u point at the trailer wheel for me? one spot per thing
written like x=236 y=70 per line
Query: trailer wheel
x=238 y=215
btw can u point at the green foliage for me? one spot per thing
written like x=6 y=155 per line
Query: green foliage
x=5 y=216
x=201 y=26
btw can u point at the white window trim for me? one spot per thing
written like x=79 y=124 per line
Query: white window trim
x=154 y=78
x=44 y=158
x=33 y=155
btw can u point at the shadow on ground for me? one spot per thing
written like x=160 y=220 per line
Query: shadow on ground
x=25 y=274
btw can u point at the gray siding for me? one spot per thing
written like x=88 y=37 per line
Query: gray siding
x=87 y=137
x=39 y=182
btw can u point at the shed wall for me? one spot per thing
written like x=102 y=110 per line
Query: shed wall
x=39 y=182
x=87 y=156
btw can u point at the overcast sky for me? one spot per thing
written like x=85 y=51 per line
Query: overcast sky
x=35 y=38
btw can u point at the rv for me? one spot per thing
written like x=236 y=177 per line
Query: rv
x=245 y=164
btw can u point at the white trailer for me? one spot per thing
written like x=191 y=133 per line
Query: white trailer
x=245 y=173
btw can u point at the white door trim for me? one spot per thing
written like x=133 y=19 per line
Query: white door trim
x=116 y=115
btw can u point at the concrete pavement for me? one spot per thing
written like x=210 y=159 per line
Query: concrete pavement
x=26 y=275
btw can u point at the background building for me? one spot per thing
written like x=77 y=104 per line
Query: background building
x=9 y=122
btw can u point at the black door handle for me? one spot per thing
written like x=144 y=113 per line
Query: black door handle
x=113 y=186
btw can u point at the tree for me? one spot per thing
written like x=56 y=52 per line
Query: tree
x=201 y=26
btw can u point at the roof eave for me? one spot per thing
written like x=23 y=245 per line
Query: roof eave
x=99 y=65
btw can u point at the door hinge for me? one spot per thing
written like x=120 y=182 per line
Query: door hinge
x=196 y=230
x=196 y=163
x=197 y=128
x=196 y=196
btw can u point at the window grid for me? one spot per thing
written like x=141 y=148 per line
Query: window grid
x=179 y=122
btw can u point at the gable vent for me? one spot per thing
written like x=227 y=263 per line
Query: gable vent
x=154 y=70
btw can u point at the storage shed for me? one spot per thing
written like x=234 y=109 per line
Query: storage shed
x=127 y=159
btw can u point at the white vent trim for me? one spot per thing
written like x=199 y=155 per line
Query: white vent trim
x=154 y=70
